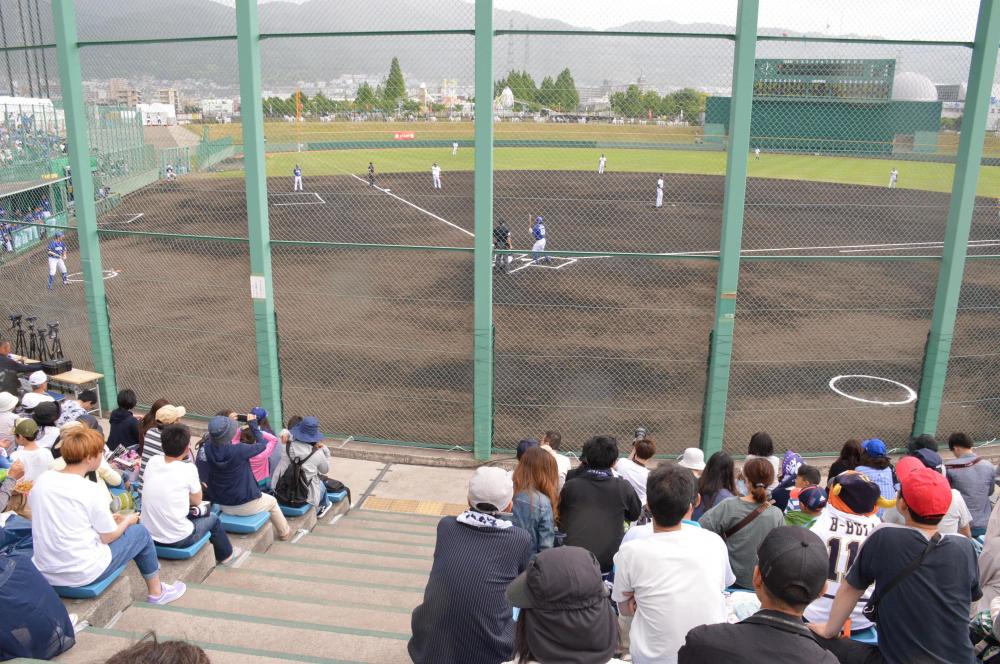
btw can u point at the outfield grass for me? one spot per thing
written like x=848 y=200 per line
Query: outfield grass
x=842 y=170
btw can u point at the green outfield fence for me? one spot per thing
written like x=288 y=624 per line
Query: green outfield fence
x=822 y=263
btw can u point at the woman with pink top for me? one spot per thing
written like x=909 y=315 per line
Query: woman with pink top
x=259 y=463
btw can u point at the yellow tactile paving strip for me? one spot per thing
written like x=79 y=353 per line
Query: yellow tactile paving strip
x=427 y=507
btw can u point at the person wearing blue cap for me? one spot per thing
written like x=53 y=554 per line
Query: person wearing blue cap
x=306 y=448
x=57 y=258
x=875 y=463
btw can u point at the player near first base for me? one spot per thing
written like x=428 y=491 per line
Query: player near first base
x=454 y=148
x=436 y=175
x=756 y=154
x=297 y=178
x=538 y=248
x=600 y=164
x=57 y=258
x=371 y=174
x=893 y=176
x=659 y=192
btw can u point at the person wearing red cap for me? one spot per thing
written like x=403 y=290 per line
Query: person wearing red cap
x=924 y=582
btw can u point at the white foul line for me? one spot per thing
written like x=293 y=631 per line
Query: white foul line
x=842 y=248
x=416 y=207
x=975 y=244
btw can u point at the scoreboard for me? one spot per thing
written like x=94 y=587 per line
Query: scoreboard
x=824 y=78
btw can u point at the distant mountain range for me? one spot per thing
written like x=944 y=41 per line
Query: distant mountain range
x=664 y=63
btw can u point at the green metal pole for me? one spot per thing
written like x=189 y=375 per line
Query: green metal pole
x=956 y=238
x=482 y=391
x=721 y=349
x=68 y=54
x=261 y=283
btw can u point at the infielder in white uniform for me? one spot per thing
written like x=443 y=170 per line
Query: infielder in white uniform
x=659 y=192
x=756 y=154
x=297 y=179
x=600 y=164
x=893 y=175
x=454 y=148
x=436 y=175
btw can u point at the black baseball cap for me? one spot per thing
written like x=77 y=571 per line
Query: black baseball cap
x=793 y=564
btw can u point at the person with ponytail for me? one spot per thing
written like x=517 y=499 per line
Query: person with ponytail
x=536 y=497
x=744 y=522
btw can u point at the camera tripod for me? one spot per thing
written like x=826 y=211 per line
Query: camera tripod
x=20 y=341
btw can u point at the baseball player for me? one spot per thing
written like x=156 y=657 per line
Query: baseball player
x=538 y=249
x=454 y=148
x=600 y=164
x=297 y=178
x=436 y=175
x=501 y=240
x=893 y=176
x=756 y=154
x=170 y=171
x=371 y=174
x=659 y=192
x=57 y=258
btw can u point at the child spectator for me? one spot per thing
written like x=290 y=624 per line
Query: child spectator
x=594 y=506
x=633 y=469
x=165 y=414
x=551 y=442
x=170 y=488
x=812 y=500
x=975 y=479
x=876 y=465
x=76 y=539
x=926 y=615
x=673 y=580
x=744 y=522
x=465 y=615
x=306 y=447
x=849 y=459
x=717 y=482
x=791 y=574
x=46 y=414
x=124 y=425
x=565 y=613
x=536 y=497
x=73 y=409
x=846 y=524
x=229 y=478
x=35 y=458
x=786 y=498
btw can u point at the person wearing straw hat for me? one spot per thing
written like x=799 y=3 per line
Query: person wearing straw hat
x=306 y=447
x=693 y=459
x=564 y=615
x=151 y=446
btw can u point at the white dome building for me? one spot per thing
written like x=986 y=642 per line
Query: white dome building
x=911 y=86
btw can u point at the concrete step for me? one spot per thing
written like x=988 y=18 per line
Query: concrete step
x=400 y=526
x=328 y=611
x=377 y=543
x=294 y=585
x=393 y=517
x=95 y=646
x=317 y=549
x=371 y=575
x=293 y=635
x=363 y=531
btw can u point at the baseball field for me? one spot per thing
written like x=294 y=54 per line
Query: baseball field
x=376 y=338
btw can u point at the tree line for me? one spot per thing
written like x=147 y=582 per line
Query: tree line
x=559 y=94
x=687 y=103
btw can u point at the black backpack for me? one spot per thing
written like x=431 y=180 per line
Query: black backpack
x=292 y=488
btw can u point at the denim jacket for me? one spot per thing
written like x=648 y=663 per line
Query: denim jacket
x=533 y=513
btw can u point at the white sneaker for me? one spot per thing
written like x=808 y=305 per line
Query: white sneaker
x=168 y=593
x=323 y=510
x=234 y=558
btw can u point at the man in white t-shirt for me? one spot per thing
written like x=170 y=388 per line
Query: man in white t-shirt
x=170 y=488
x=845 y=524
x=77 y=541
x=673 y=580
x=633 y=469
x=551 y=442
x=36 y=459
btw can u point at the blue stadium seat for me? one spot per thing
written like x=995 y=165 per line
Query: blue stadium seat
x=176 y=553
x=295 y=511
x=56 y=396
x=244 y=525
x=336 y=497
x=869 y=635
x=90 y=590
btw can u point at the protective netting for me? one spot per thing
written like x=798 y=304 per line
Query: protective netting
x=617 y=142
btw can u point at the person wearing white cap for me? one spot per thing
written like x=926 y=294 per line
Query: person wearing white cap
x=8 y=402
x=32 y=399
x=465 y=615
x=693 y=459
x=39 y=382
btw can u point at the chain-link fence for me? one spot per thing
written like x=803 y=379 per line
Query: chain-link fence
x=612 y=127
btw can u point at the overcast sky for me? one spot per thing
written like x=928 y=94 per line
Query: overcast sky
x=898 y=19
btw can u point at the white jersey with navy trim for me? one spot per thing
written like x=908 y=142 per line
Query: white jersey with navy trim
x=844 y=534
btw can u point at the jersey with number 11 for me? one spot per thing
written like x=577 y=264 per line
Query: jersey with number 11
x=844 y=534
